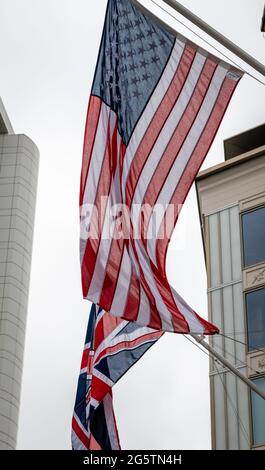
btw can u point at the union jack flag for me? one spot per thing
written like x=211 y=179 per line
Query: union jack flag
x=112 y=346
x=157 y=102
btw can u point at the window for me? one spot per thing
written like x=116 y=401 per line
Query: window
x=258 y=413
x=253 y=236
x=255 y=303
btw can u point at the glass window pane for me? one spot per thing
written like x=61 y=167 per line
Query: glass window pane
x=256 y=319
x=253 y=236
x=258 y=414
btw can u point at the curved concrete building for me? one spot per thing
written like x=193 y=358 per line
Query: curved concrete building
x=19 y=159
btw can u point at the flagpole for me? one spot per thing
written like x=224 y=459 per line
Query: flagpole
x=247 y=58
x=217 y=36
x=226 y=363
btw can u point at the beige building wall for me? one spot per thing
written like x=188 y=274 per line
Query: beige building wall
x=19 y=158
x=225 y=192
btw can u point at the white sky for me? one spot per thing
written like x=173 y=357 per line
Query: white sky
x=48 y=55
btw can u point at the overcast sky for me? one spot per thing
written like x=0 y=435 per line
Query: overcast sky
x=48 y=55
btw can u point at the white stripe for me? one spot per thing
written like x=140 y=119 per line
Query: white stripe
x=98 y=277
x=82 y=249
x=144 y=314
x=151 y=108
x=128 y=346
x=98 y=154
x=84 y=371
x=87 y=433
x=102 y=377
x=195 y=325
x=110 y=422
x=193 y=322
x=112 y=341
x=105 y=343
x=76 y=443
x=106 y=126
x=123 y=283
x=99 y=314
x=165 y=315
x=185 y=154
x=94 y=402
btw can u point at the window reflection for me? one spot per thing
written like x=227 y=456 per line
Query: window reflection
x=258 y=413
x=255 y=302
x=254 y=236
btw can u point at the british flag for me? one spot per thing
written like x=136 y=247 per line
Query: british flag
x=112 y=347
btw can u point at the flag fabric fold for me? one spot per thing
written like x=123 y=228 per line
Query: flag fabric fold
x=112 y=347
x=156 y=104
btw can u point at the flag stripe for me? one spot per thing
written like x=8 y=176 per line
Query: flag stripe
x=93 y=114
x=118 y=304
x=83 y=438
x=97 y=255
x=114 y=348
x=111 y=423
x=103 y=188
x=163 y=297
x=98 y=153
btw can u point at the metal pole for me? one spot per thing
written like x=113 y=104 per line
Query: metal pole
x=247 y=58
x=263 y=22
x=217 y=36
x=200 y=340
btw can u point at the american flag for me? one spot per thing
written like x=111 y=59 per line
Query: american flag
x=112 y=347
x=156 y=105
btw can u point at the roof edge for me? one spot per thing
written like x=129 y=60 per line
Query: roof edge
x=230 y=163
x=5 y=123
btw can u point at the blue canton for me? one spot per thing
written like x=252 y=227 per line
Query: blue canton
x=133 y=54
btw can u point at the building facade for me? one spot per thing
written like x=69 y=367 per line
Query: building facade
x=19 y=159
x=231 y=199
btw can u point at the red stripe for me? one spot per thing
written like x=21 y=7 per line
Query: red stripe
x=155 y=319
x=80 y=434
x=111 y=273
x=94 y=445
x=99 y=388
x=114 y=257
x=127 y=345
x=103 y=189
x=85 y=358
x=179 y=322
x=93 y=114
x=110 y=323
x=99 y=334
x=158 y=121
x=133 y=299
